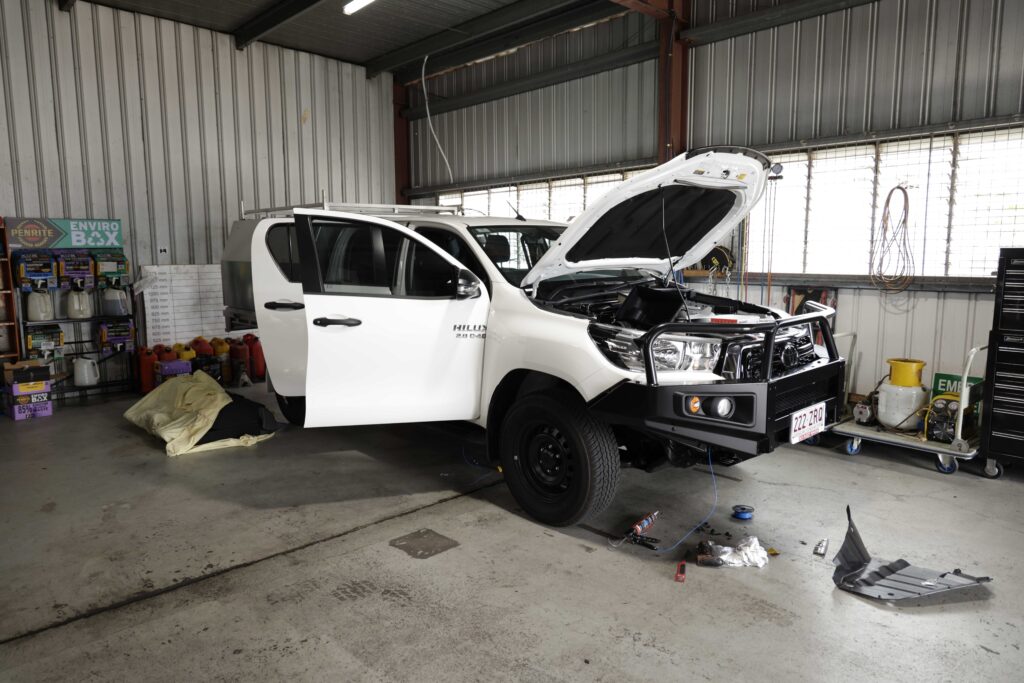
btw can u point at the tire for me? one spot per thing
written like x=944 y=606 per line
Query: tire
x=293 y=408
x=560 y=462
x=813 y=440
x=852 y=447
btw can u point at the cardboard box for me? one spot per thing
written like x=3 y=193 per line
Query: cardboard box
x=27 y=388
x=26 y=399
x=26 y=371
x=29 y=411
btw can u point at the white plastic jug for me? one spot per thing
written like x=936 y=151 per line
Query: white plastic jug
x=79 y=304
x=87 y=372
x=40 y=306
x=115 y=301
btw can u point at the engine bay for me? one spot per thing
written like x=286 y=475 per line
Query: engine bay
x=623 y=312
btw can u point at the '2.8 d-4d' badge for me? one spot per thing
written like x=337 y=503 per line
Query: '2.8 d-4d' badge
x=469 y=331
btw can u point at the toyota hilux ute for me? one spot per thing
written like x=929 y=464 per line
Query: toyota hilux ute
x=574 y=346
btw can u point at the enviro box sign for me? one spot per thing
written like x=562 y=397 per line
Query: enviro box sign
x=64 y=233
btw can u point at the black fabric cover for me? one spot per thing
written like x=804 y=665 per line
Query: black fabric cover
x=238 y=418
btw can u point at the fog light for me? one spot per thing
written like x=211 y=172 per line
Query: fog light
x=693 y=404
x=723 y=408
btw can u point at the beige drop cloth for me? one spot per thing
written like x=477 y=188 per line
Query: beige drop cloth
x=181 y=410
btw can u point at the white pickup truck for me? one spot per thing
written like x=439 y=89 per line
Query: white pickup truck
x=573 y=346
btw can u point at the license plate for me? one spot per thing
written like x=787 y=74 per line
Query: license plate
x=805 y=423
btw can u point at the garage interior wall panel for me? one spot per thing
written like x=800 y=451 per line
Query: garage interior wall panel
x=105 y=113
x=606 y=118
x=884 y=65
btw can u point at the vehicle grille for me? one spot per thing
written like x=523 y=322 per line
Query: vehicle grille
x=788 y=354
x=801 y=396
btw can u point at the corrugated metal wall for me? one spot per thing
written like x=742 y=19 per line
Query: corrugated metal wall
x=602 y=119
x=115 y=114
x=884 y=65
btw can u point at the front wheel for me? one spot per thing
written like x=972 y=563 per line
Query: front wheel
x=293 y=408
x=560 y=462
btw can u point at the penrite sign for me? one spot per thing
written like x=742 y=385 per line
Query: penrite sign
x=64 y=233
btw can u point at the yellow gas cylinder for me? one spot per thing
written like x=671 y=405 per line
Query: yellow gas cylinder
x=184 y=352
x=905 y=372
x=222 y=351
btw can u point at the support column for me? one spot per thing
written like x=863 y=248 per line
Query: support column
x=673 y=82
x=403 y=160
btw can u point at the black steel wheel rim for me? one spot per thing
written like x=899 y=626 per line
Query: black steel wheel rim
x=545 y=459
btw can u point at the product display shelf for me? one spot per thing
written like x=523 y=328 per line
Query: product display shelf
x=9 y=337
x=82 y=339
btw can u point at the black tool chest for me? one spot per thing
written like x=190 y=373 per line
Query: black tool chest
x=1003 y=422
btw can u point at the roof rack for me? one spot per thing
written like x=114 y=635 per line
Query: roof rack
x=366 y=209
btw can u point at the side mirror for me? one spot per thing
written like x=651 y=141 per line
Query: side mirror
x=467 y=285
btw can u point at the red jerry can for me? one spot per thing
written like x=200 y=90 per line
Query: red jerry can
x=240 y=355
x=201 y=346
x=147 y=370
x=257 y=362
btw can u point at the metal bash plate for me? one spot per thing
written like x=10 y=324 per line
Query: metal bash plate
x=857 y=572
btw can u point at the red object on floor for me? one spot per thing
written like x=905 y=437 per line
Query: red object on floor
x=240 y=352
x=147 y=370
x=201 y=346
x=681 y=572
x=257 y=362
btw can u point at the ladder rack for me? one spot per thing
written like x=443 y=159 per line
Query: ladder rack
x=365 y=209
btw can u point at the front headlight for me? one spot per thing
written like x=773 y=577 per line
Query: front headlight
x=671 y=351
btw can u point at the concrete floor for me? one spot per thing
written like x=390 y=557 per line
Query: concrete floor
x=274 y=562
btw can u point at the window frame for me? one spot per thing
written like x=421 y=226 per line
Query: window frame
x=942 y=229
x=312 y=276
x=295 y=261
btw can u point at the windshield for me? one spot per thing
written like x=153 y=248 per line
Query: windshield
x=515 y=248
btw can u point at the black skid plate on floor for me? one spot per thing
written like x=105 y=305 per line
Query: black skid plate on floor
x=857 y=572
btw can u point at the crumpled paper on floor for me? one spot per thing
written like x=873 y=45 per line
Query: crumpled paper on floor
x=748 y=553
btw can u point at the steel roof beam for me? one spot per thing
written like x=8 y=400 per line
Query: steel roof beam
x=659 y=9
x=569 y=72
x=466 y=32
x=766 y=18
x=266 y=22
x=585 y=13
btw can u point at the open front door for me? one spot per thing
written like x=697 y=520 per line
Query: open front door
x=395 y=326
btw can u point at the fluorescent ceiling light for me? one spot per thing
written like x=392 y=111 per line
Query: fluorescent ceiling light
x=354 y=6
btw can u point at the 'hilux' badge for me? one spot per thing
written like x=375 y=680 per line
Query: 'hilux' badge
x=469 y=331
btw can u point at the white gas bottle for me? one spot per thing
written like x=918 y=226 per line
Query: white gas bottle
x=898 y=406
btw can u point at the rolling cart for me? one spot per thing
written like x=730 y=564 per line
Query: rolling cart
x=947 y=455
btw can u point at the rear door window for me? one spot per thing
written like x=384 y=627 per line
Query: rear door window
x=282 y=242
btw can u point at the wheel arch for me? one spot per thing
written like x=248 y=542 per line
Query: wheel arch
x=515 y=384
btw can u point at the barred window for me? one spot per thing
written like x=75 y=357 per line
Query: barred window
x=822 y=215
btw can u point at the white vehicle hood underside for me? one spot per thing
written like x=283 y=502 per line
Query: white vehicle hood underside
x=679 y=210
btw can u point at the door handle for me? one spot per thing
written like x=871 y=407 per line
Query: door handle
x=347 y=322
x=283 y=305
